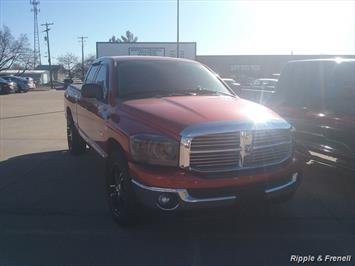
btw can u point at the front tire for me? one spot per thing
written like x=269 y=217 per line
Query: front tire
x=124 y=208
x=76 y=143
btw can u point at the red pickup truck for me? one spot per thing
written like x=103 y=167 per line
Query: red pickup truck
x=175 y=137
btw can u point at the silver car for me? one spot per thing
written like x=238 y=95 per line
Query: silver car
x=22 y=83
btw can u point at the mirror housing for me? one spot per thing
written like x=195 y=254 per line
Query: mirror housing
x=92 y=90
x=68 y=81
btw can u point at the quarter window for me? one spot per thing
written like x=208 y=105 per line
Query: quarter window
x=91 y=75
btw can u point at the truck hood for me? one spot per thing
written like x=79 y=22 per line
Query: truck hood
x=174 y=114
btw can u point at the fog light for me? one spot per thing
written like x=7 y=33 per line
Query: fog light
x=164 y=199
x=167 y=201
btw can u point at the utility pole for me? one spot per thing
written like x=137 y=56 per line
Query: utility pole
x=36 y=45
x=82 y=40
x=177 y=29
x=49 y=52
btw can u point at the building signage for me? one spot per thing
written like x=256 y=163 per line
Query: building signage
x=186 y=49
x=148 y=51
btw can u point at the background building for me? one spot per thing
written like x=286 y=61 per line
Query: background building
x=243 y=68
x=39 y=76
x=58 y=71
x=186 y=49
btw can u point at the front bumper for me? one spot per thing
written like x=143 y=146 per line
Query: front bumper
x=154 y=197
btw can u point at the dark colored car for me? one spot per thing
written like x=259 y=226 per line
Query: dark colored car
x=235 y=86
x=318 y=98
x=175 y=137
x=259 y=91
x=6 y=86
x=68 y=81
x=21 y=83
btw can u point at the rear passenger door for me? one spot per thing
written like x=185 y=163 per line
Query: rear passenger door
x=85 y=106
x=94 y=112
x=101 y=108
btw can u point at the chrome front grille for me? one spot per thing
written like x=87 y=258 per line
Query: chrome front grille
x=239 y=150
x=215 y=151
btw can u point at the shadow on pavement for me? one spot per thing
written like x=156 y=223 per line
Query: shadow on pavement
x=53 y=212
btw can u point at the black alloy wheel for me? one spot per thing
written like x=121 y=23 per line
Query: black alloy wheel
x=123 y=205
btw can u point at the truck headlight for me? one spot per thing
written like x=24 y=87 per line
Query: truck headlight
x=154 y=149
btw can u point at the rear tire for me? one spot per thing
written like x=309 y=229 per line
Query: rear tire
x=123 y=205
x=76 y=143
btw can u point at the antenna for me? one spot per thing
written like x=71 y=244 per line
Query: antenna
x=36 y=47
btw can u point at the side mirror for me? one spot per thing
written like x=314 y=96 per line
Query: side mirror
x=92 y=90
x=68 y=81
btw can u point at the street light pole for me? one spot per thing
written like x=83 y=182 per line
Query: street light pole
x=49 y=52
x=177 y=29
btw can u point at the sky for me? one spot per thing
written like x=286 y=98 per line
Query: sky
x=219 y=27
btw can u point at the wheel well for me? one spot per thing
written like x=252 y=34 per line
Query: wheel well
x=68 y=113
x=113 y=145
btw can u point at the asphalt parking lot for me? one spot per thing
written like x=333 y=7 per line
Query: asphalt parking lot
x=53 y=209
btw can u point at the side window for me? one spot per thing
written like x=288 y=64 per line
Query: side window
x=294 y=86
x=102 y=79
x=91 y=74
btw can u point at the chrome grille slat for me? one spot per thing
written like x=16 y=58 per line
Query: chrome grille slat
x=221 y=152
x=214 y=144
x=218 y=164
x=197 y=156
x=272 y=145
x=214 y=151
x=223 y=142
x=220 y=157
x=213 y=158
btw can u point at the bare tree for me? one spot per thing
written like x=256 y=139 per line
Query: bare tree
x=77 y=71
x=24 y=62
x=128 y=38
x=69 y=61
x=14 y=52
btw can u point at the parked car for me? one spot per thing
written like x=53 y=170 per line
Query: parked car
x=31 y=83
x=6 y=86
x=175 y=137
x=260 y=90
x=264 y=84
x=318 y=98
x=68 y=81
x=235 y=86
x=21 y=83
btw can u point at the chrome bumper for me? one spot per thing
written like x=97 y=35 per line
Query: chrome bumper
x=148 y=195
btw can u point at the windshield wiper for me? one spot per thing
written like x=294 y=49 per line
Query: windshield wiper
x=175 y=92
x=153 y=93
x=204 y=91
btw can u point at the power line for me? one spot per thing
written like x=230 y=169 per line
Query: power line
x=82 y=40
x=49 y=52
x=36 y=43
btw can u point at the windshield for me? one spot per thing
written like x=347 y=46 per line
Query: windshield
x=143 y=78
